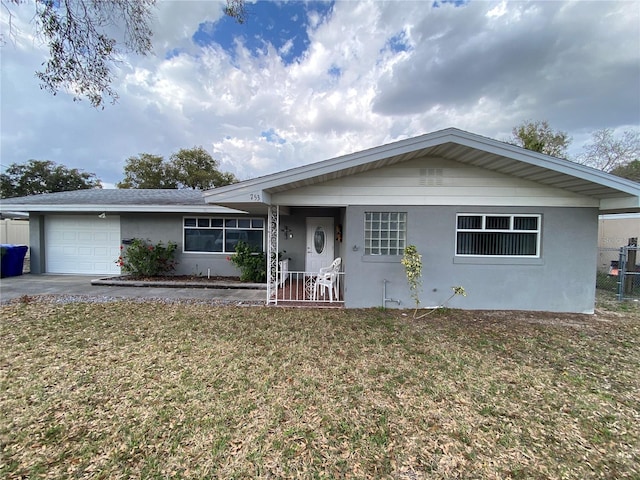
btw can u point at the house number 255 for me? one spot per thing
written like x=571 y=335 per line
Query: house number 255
x=255 y=197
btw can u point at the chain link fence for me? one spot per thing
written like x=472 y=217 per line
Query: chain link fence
x=619 y=272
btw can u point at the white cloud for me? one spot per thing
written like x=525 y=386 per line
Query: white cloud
x=483 y=67
x=177 y=20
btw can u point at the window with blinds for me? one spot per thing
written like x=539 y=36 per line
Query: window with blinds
x=489 y=235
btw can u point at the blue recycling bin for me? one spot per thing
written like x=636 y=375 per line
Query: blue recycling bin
x=12 y=259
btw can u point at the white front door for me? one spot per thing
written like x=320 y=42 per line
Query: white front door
x=319 y=243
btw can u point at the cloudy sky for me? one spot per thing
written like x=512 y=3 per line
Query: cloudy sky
x=306 y=81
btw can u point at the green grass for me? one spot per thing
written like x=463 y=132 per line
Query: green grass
x=148 y=390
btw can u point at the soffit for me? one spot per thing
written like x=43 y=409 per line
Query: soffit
x=474 y=157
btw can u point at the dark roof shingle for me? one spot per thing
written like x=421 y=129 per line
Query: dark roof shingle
x=103 y=197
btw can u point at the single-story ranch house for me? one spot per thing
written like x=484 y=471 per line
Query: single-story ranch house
x=515 y=228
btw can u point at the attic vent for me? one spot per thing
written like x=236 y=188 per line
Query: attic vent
x=430 y=177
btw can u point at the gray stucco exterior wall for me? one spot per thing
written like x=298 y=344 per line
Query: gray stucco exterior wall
x=36 y=244
x=168 y=228
x=156 y=227
x=561 y=280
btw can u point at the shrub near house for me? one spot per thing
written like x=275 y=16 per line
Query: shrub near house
x=251 y=262
x=141 y=258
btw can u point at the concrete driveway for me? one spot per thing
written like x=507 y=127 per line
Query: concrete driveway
x=80 y=286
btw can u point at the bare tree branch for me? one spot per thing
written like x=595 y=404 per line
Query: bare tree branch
x=606 y=152
x=82 y=49
x=86 y=39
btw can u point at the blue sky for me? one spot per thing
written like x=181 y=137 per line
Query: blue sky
x=282 y=26
x=306 y=81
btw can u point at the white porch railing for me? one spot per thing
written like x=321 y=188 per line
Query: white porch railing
x=302 y=287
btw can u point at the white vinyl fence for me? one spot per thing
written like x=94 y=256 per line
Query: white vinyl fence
x=16 y=232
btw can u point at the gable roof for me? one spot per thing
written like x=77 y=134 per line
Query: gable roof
x=615 y=194
x=114 y=200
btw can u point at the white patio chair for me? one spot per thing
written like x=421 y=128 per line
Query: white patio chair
x=327 y=279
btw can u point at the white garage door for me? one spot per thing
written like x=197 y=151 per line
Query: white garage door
x=84 y=244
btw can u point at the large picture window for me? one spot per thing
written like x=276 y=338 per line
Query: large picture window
x=491 y=235
x=221 y=235
x=385 y=233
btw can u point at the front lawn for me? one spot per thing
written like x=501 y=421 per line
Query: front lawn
x=152 y=390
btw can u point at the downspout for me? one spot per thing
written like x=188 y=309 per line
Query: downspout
x=384 y=295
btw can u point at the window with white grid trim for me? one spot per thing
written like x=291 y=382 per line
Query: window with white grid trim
x=489 y=235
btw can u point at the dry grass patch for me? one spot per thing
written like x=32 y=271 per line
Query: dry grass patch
x=148 y=390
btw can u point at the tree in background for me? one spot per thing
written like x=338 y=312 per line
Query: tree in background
x=83 y=48
x=630 y=171
x=236 y=9
x=43 y=176
x=607 y=153
x=539 y=137
x=618 y=155
x=188 y=168
x=196 y=168
x=148 y=171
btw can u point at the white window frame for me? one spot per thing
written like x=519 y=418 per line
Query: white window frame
x=390 y=234
x=224 y=227
x=510 y=229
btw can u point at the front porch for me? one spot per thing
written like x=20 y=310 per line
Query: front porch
x=304 y=256
x=307 y=289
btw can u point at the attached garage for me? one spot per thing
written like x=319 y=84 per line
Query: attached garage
x=82 y=244
x=80 y=232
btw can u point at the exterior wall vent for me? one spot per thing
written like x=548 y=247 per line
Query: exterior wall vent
x=431 y=177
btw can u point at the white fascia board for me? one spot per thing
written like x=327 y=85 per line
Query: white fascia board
x=13 y=214
x=209 y=209
x=621 y=205
x=245 y=194
x=619 y=216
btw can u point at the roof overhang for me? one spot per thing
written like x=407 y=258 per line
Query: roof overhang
x=615 y=194
x=12 y=214
x=116 y=201
x=620 y=205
